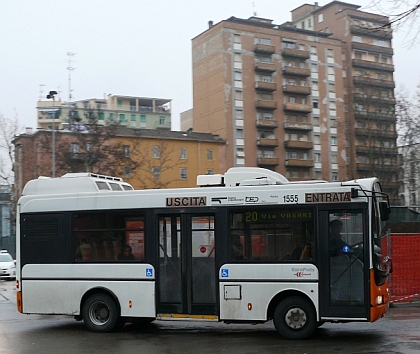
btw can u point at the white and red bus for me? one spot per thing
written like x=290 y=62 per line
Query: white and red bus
x=244 y=247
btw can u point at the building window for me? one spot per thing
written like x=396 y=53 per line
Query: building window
x=88 y=147
x=111 y=117
x=209 y=171
x=320 y=18
x=74 y=148
x=126 y=151
x=313 y=50
x=155 y=152
x=122 y=117
x=357 y=39
x=161 y=120
x=102 y=116
x=237 y=38
x=314 y=68
x=334 y=177
x=183 y=173
x=183 y=153
x=119 y=103
x=155 y=172
x=133 y=117
x=142 y=118
x=210 y=154
x=127 y=171
x=333 y=141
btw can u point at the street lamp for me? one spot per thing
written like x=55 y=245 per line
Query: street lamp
x=52 y=95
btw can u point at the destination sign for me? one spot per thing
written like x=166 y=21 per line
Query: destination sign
x=186 y=201
x=330 y=197
x=277 y=215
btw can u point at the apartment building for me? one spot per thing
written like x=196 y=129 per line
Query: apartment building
x=367 y=58
x=275 y=93
x=128 y=111
x=311 y=98
x=145 y=158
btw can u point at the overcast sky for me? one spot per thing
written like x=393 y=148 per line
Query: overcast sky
x=125 y=47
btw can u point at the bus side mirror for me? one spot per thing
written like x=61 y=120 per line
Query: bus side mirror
x=385 y=210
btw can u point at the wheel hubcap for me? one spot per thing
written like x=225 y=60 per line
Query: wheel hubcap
x=99 y=313
x=295 y=318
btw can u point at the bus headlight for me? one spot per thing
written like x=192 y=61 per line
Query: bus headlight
x=379 y=300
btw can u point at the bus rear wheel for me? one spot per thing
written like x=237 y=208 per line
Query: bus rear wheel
x=100 y=313
x=295 y=318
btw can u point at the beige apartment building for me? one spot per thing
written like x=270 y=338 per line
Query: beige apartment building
x=288 y=97
x=275 y=93
x=128 y=111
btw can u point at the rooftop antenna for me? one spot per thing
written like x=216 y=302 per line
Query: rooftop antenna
x=253 y=9
x=70 y=68
x=41 y=92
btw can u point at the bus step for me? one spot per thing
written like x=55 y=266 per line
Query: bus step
x=184 y=317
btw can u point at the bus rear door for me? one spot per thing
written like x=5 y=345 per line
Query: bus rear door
x=186 y=275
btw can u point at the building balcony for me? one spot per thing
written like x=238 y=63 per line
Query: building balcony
x=375 y=167
x=294 y=71
x=298 y=126
x=366 y=64
x=377 y=133
x=301 y=90
x=265 y=86
x=265 y=67
x=369 y=99
x=273 y=142
x=266 y=123
x=375 y=116
x=371 y=32
x=360 y=80
x=297 y=107
x=376 y=150
x=298 y=144
x=264 y=48
x=299 y=163
x=372 y=48
x=266 y=104
x=165 y=125
x=268 y=161
x=295 y=52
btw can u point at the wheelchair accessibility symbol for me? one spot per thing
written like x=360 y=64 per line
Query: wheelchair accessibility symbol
x=225 y=273
x=149 y=272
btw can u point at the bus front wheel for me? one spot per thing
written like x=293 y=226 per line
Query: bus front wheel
x=100 y=313
x=295 y=318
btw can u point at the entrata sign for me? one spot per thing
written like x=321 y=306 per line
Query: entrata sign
x=334 y=197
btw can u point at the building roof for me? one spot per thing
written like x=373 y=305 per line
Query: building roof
x=144 y=133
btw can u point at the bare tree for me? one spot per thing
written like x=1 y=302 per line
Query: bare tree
x=89 y=146
x=403 y=14
x=9 y=128
x=408 y=114
x=157 y=164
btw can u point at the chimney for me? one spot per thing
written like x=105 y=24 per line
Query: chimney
x=210 y=24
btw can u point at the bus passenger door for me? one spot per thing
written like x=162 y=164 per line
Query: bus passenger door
x=186 y=275
x=344 y=267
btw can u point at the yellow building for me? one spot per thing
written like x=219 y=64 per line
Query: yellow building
x=168 y=159
x=145 y=158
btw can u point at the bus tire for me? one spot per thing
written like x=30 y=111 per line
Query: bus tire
x=100 y=313
x=295 y=318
